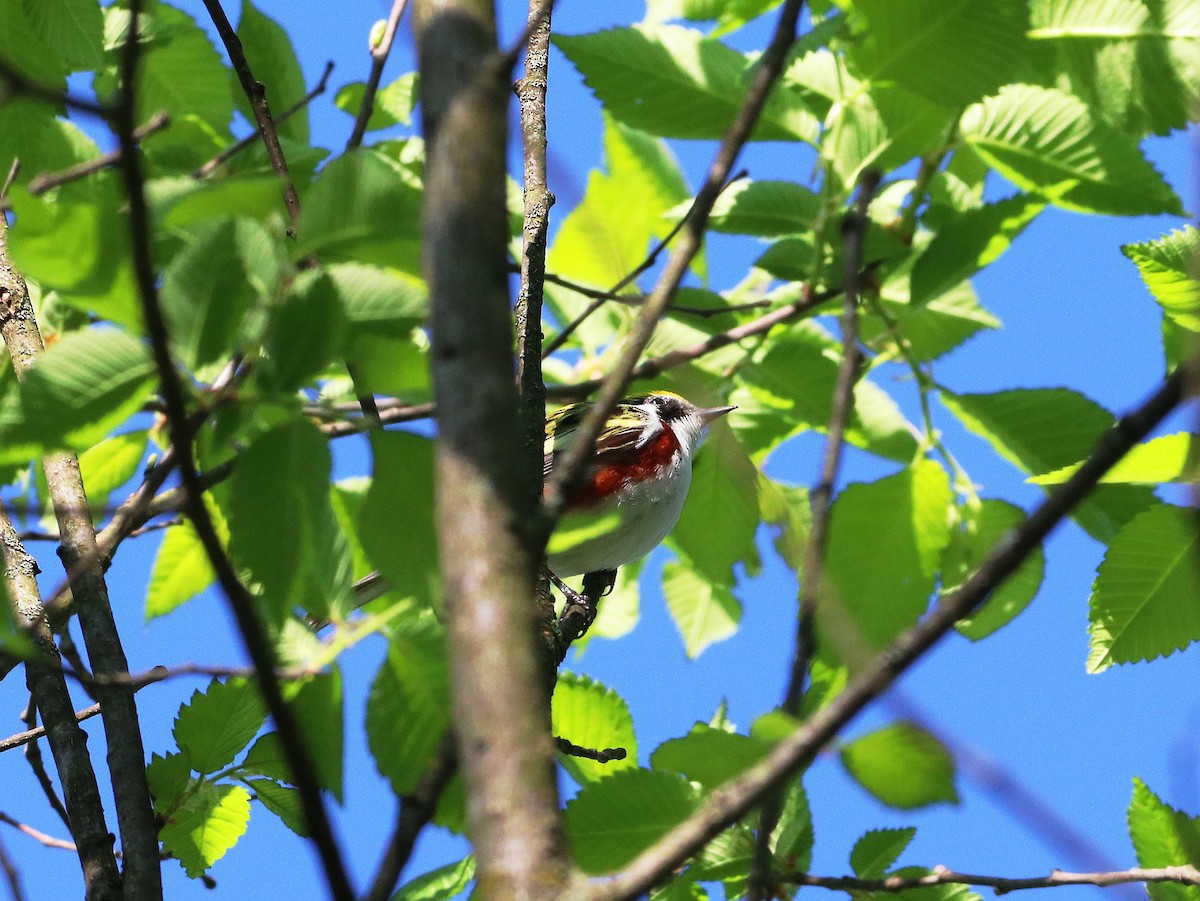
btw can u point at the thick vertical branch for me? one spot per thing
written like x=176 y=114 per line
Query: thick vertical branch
x=126 y=757
x=484 y=497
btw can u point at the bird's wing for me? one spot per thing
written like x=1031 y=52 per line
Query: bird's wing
x=621 y=435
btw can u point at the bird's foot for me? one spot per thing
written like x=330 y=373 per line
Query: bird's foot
x=580 y=610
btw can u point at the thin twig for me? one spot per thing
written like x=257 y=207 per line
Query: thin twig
x=13 y=170
x=11 y=876
x=42 y=183
x=854 y=230
x=634 y=300
x=32 y=735
x=33 y=757
x=48 y=840
x=651 y=258
x=254 y=635
x=739 y=795
x=14 y=81
x=770 y=67
x=256 y=93
x=379 y=56
x=600 y=755
x=233 y=149
x=415 y=811
x=1185 y=874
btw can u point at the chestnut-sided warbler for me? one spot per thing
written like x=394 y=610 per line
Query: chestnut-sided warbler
x=634 y=484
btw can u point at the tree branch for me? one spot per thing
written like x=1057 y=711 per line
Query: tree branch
x=42 y=183
x=256 y=93
x=769 y=68
x=253 y=633
x=732 y=800
x=379 y=56
x=484 y=497
x=11 y=876
x=1185 y=874
x=854 y=230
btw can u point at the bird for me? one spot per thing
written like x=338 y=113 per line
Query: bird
x=634 y=484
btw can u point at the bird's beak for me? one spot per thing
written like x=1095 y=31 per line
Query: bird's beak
x=709 y=414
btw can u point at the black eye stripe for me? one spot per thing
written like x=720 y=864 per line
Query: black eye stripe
x=669 y=408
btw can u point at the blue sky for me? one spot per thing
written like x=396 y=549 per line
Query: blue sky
x=1075 y=315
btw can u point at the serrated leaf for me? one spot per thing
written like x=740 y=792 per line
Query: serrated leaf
x=72 y=30
x=675 y=83
x=877 y=850
x=724 y=488
x=1168 y=267
x=408 y=710
x=206 y=826
x=282 y=801
x=443 y=884
x=950 y=51
x=221 y=271
x=362 y=207
x=903 y=519
x=316 y=703
x=764 y=208
x=181 y=73
x=792 y=840
x=1146 y=598
x=107 y=466
x=970 y=544
x=181 y=571
x=379 y=301
x=395 y=524
x=970 y=241
x=1168 y=458
x=84 y=386
x=23 y=49
x=393 y=105
x=266 y=758
x=218 y=723
x=930 y=329
x=304 y=334
x=1047 y=141
x=281 y=522
x=704 y=612
x=708 y=756
x=609 y=822
x=1163 y=837
x=254 y=195
x=168 y=776
x=1043 y=429
x=591 y=715
x=903 y=766
x=273 y=61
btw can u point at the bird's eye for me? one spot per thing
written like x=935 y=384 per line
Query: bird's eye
x=668 y=407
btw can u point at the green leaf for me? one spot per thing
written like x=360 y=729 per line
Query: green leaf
x=591 y=715
x=107 y=466
x=729 y=15
x=266 y=758
x=72 y=30
x=609 y=822
x=84 y=386
x=42 y=142
x=1044 y=140
x=281 y=522
x=379 y=301
x=1163 y=837
x=708 y=756
x=304 y=334
x=950 y=51
x=903 y=766
x=186 y=202
x=362 y=207
x=180 y=72
x=764 y=208
x=903 y=519
x=970 y=241
x=1168 y=458
x=284 y=802
x=1146 y=599
x=704 y=612
x=223 y=269
x=169 y=777
x=273 y=61
x=181 y=571
x=408 y=710
x=1134 y=62
x=206 y=826
x=725 y=489
x=317 y=705
x=1168 y=267
x=978 y=535
x=877 y=850
x=218 y=723
x=443 y=884
x=23 y=49
x=394 y=103
x=792 y=840
x=675 y=83
x=1043 y=429
x=931 y=329
x=395 y=525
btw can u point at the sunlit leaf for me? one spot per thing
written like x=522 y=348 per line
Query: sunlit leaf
x=1163 y=837
x=877 y=850
x=218 y=723
x=704 y=612
x=591 y=715
x=1168 y=267
x=903 y=766
x=208 y=824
